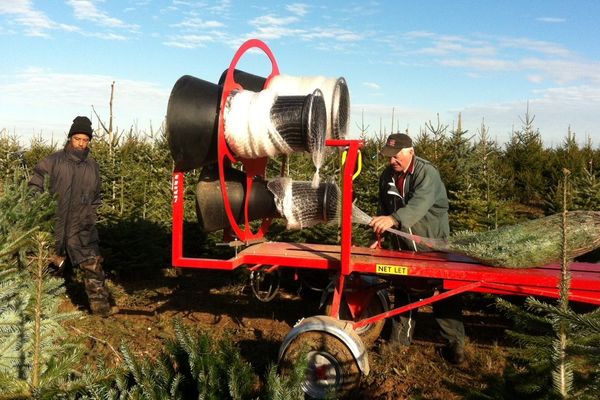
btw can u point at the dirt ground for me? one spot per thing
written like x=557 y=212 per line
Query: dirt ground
x=217 y=301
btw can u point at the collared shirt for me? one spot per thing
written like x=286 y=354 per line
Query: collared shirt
x=400 y=178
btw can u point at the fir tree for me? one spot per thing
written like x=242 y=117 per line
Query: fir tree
x=586 y=192
x=431 y=142
x=35 y=360
x=525 y=161
x=558 y=348
x=195 y=365
x=457 y=167
x=11 y=155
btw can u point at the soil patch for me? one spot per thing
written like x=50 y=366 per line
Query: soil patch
x=222 y=304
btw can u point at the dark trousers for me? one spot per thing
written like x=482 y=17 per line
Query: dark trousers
x=95 y=286
x=447 y=313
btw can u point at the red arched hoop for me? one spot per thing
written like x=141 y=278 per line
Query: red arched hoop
x=252 y=167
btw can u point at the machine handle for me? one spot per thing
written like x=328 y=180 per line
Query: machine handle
x=358 y=162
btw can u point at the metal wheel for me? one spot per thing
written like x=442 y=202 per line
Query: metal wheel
x=315 y=281
x=265 y=285
x=368 y=333
x=331 y=367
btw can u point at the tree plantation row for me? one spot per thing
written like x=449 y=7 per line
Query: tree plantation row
x=489 y=185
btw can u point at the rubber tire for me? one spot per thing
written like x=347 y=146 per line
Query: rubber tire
x=368 y=333
x=327 y=350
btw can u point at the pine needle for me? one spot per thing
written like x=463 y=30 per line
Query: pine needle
x=530 y=244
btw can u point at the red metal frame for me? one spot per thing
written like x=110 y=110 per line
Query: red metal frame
x=253 y=167
x=458 y=274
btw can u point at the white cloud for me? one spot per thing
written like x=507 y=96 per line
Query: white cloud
x=551 y=20
x=270 y=27
x=555 y=110
x=86 y=10
x=535 y=78
x=536 y=46
x=36 y=22
x=565 y=71
x=221 y=7
x=574 y=95
x=483 y=64
x=44 y=101
x=107 y=36
x=492 y=54
x=297 y=8
x=189 y=41
x=274 y=32
x=557 y=70
x=372 y=85
x=198 y=23
x=419 y=35
x=337 y=34
x=272 y=20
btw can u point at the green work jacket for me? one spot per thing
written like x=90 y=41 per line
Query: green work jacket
x=420 y=207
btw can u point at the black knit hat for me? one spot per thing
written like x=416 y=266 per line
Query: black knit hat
x=395 y=143
x=81 y=125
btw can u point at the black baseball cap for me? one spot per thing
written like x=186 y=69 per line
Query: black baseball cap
x=394 y=143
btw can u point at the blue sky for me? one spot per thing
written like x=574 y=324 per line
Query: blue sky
x=415 y=60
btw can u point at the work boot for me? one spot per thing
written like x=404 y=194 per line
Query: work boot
x=101 y=307
x=57 y=264
x=453 y=354
x=95 y=287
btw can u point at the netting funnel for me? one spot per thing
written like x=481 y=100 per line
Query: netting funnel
x=303 y=205
x=335 y=93
x=210 y=208
x=265 y=124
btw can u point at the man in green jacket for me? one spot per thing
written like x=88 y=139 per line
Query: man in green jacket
x=413 y=199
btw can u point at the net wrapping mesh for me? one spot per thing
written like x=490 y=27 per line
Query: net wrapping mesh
x=249 y=130
x=361 y=217
x=266 y=124
x=304 y=205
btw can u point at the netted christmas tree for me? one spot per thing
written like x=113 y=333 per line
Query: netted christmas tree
x=530 y=244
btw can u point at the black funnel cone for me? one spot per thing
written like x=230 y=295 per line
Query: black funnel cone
x=193 y=122
x=247 y=80
x=210 y=207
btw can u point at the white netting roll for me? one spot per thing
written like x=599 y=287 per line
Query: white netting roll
x=303 y=205
x=249 y=130
x=265 y=124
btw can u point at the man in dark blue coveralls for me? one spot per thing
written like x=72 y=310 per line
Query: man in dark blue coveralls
x=75 y=179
